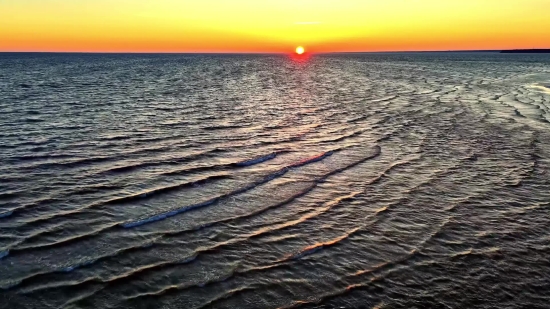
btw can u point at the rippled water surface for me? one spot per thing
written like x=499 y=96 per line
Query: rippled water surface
x=261 y=181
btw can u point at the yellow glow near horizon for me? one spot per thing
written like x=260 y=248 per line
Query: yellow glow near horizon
x=300 y=50
x=271 y=25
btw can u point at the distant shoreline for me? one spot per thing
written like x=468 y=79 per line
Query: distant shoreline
x=526 y=51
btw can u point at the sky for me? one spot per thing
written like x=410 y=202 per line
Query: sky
x=272 y=25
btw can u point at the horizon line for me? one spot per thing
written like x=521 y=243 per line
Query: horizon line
x=267 y=53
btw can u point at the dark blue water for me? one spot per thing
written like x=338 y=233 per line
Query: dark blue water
x=259 y=181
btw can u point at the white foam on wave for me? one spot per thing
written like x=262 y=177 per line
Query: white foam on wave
x=541 y=87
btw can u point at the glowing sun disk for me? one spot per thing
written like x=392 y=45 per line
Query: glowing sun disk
x=300 y=50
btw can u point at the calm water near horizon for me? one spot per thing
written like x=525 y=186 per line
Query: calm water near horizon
x=404 y=180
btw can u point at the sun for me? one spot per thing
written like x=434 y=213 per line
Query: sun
x=300 y=50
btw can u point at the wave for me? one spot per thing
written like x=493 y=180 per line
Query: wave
x=64 y=269
x=266 y=179
x=356 y=119
x=11 y=284
x=545 y=88
x=175 y=161
x=36 y=203
x=168 y=214
x=183 y=286
x=224 y=127
x=375 y=274
x=37 y=157
x=144 y=195
x=6 y=214
x=78 y=265
x=388 y=98
x=131 y=167
x=226 y=294
x=318 y=211
x=95 y=189
x=33 y=120
x=312 y=159
x=343 y=137
x=71 y=164
x=24 y=246
x=314 y=184
x=257 y=160
x=306 y=251
x=317 y=247
x=92 y=280
x=119 y=137
x=161 y=216
x=280 y=265
x=252 y=214
x=218 y=246
x=196 y=169
x=154 y=192
x=468 y=253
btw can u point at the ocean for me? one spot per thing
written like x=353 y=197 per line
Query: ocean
x=399 y=180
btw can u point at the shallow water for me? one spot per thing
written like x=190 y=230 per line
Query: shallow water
x=261 y=181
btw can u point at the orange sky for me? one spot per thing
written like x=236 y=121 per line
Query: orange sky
x=272 y=25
